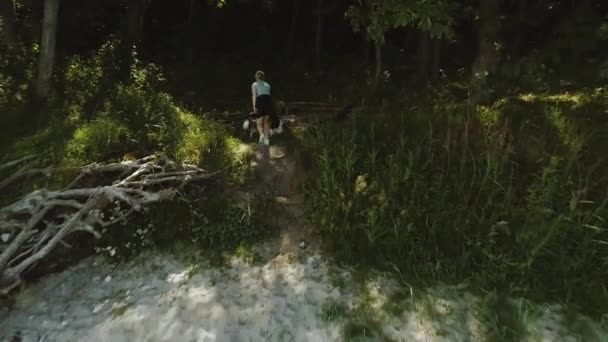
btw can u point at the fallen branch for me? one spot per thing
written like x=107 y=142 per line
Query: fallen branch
x=17 y=162
x=25 y=171
x=37 y=223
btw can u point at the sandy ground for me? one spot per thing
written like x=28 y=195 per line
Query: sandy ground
x=164 y=298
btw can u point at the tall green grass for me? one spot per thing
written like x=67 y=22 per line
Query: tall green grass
x=446 y=192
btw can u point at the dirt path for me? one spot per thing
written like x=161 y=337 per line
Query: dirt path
x=280 y=172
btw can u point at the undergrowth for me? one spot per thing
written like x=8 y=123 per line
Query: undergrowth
x=102 y=112
x=512 y=196
x=97 y=115
x=204 y=222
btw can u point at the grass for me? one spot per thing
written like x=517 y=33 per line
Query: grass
x=361 y=322
x=333 y=310
x=399 y=302
x=247 y=254
x=503 y=320
x=502 y=196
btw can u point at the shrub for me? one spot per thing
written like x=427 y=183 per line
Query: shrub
x=98 y=140
x=149 y=115
x=209 y=145
x=209 y=222
x=438 y=197
x=100 y=114
x=17 y=67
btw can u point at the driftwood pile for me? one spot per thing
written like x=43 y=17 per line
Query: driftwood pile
x=35 y=224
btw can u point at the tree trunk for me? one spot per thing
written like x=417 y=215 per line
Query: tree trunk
x=487 y=56
x=292 y=28
x=423 y=56
x=191 y=13
x=7 y=12
x=319 y=33
x=191 y=32
x=46 y=59
x=516 y=51
x=366 y=47
x=378 y=73
x=135 y=12
x=35 y=21
x=436 y=59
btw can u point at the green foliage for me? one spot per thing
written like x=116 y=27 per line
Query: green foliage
x=17 y=67
x=207 y=222
x=90 y=92
x=99 y=116
x=447 y=193
x=377 y=17
x=98 y=140
x=209 y=144
x=150 y=116
x=529 y=73
x=332 y=310
x=88 y=80
x=603 y=72
x=16 y=72
x=504 y=319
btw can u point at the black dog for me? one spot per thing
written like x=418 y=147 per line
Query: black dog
x=276 y=124
x=344 y=113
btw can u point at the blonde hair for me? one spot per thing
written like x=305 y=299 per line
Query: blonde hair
x=259 y=75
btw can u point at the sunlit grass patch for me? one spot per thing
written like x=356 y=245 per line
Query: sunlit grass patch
x=98 y=140
x=211 y=146
x=246 y=253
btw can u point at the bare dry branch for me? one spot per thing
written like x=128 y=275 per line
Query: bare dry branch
x=40 y=221
x=24 y=171
x=17 y=162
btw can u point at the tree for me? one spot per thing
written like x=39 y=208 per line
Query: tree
x=135 y=21
x=377 y=17
x=318 y=32
x=7 y=14
x=46 y=59
x=424 y=49
x=191 y=8
x=428 y=57
x=292 y=28
x=487 y=54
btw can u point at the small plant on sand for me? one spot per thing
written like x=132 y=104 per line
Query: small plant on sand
x=333 y=310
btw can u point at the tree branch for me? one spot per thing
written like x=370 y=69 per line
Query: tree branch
x=42 y=219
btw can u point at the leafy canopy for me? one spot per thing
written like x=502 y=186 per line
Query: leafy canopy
x=379 y=16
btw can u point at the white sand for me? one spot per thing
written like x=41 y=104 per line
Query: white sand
x=158 y=298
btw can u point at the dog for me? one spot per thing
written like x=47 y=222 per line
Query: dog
x=344 y=113
x=276 y=123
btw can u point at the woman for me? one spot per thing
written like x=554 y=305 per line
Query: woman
x=262 y=106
